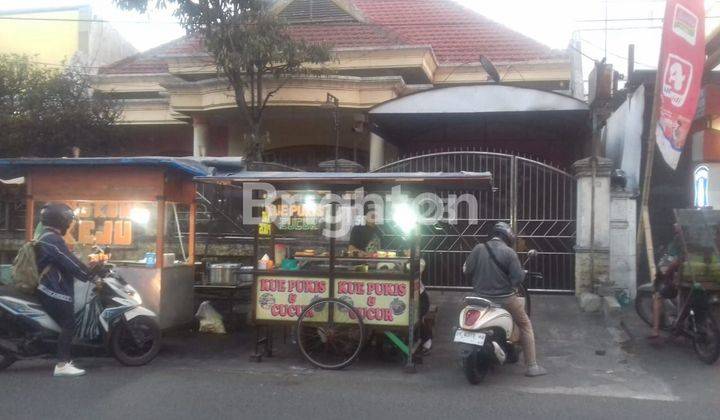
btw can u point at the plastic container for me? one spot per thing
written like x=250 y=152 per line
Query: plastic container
x=150 y=259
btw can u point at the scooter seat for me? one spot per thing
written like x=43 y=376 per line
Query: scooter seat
x=12 y=292
x=479 y=301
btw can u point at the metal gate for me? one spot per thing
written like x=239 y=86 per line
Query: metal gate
x=538 y=200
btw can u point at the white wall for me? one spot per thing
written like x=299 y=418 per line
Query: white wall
x=623 y=137
x=623 y=231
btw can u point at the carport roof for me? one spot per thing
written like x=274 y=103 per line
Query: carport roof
x=479 y=99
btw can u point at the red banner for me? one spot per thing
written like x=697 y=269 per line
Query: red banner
x=682 y=58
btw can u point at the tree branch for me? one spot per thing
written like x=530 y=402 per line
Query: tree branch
x=273 y=92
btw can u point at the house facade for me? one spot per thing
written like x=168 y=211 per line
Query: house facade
x=174 y=103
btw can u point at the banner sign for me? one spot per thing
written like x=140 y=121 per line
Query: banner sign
x=280 y=298
x=680 y=71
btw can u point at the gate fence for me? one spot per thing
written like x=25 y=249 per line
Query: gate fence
x=537 y=199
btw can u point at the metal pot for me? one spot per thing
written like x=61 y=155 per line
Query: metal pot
x=232 y=274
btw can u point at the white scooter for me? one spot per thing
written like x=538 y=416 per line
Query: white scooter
x=110 y=315
x=487 y=335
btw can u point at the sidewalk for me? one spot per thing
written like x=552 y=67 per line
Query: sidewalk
x=582 y=355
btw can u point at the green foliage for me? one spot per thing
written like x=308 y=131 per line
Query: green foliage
x=250 y=45
x=46 y=112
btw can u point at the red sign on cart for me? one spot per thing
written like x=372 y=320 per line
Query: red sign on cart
x=682 y=58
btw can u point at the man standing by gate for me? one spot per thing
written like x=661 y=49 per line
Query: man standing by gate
x=496 y=273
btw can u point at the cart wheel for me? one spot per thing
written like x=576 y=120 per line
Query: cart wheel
x=330 y=344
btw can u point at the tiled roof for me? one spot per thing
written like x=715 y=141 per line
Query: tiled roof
x=152 y=61
x=456 y=34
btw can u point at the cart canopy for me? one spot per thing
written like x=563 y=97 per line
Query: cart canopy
x=460 y=180
x=12 y=168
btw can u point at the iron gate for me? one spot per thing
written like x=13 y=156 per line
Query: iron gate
x=537 y=199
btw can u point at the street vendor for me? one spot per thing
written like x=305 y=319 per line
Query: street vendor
x=365 y=239
x=426 y=327
x=426 y=330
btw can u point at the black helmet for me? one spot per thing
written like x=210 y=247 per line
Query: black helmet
x=503 y=231
x=57 y=215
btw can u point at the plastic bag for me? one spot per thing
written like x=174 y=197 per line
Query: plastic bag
x=210 y=320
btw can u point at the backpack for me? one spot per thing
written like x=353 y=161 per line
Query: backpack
x=25 y=275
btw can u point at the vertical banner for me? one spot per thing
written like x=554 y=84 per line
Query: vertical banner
x=680 y=71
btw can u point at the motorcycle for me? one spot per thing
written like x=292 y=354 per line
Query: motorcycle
x=108 y=315
x=487 y=335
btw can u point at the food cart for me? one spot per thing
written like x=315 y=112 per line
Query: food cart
x=700 y=237
x=143 y=209
x=306 y=279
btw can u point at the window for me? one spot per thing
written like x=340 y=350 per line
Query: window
x=701 y=183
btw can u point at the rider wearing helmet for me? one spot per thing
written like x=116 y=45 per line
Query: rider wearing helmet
x=59 y=267
x=496 y=272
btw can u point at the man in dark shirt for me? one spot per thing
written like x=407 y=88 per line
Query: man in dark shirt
x=367 y=238
x=499 y=280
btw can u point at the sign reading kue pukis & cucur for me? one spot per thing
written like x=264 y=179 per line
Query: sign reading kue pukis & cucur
x=281 y=298
x=379 y=302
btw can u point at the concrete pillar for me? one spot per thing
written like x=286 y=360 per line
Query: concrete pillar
x=235 y=139
x=201 y=136
x=592 y=243
x=377 y=151
x=623 y=235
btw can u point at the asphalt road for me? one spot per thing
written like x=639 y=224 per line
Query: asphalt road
x=211 y=377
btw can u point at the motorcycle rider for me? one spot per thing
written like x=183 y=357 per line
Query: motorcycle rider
x=496 y=273
x=59 y=268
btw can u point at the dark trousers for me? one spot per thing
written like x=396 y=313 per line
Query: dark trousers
x=63 y=313
x=426 y=332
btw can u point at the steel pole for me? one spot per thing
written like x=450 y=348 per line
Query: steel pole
x=337 y=135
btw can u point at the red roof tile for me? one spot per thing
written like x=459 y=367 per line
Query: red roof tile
x=456 y=34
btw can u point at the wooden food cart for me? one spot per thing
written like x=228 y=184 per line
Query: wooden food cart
x=142 y=208
x=306 y=279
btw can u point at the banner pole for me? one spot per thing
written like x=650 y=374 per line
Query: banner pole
x=644 y=232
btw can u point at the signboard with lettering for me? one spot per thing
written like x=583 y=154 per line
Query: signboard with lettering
x=304 y=217
x=114 y=223
x=282 y=298
x=379 y=302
